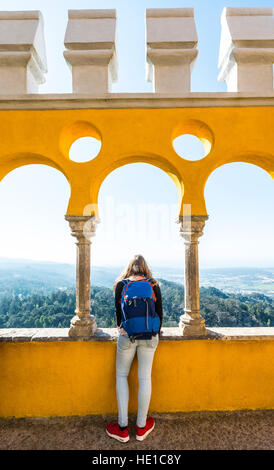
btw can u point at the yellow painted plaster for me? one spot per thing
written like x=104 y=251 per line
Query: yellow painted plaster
x=65 y=378
x=230 y=134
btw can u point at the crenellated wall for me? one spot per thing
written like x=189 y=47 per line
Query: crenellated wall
x=245 y=59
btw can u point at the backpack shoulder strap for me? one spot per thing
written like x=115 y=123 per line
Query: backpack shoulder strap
x=125 y=282
x=150 y=281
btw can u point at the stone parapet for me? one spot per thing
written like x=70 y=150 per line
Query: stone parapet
x=46 y=373
x=111 y=334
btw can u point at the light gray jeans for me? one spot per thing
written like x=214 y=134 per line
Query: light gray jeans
x=124 y=356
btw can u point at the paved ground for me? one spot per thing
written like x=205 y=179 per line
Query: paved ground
x=196 y=430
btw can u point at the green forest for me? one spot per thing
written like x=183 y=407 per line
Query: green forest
x=55 y=309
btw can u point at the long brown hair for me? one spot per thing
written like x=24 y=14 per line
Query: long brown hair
x=136 y=266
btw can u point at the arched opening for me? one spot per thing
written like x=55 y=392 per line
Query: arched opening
x=138 y=204
x=237 y=255
x=35 y=247
x=239 y=199
x=33 y=202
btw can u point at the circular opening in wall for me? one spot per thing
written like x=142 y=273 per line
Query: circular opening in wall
x=190 y=147
x=84 y=149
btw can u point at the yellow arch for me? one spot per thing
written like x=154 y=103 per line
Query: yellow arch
x=259 y=159
x=18 y=160
x=238 y=159
x=154 y=160
x=130 y=135
x=12 y=161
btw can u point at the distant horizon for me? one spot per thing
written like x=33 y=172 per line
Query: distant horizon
x=114 y=266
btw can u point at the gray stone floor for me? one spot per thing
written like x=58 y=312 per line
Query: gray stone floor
x=226 y=430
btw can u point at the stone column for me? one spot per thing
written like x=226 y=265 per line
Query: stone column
x=191 y=228
x=83 y=227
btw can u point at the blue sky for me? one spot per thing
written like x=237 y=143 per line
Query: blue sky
x=239 y=197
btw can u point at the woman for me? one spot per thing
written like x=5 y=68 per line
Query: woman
x=137 y=270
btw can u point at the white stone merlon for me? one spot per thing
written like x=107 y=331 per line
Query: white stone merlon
x=247 y=49
x=91 y=54
x=22 y=52
x=171 y=48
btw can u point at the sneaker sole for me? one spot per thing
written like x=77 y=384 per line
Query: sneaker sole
x=141 y=438
x=118 y=438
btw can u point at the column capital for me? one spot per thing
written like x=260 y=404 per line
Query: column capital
x=83 y=227
x=191 y=226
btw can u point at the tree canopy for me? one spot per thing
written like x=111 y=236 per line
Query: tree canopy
x=55 y=309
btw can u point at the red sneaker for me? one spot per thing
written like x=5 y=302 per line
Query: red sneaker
x=113 y=430
x=142 y=433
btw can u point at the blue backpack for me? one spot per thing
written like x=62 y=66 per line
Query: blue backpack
x=139 y=318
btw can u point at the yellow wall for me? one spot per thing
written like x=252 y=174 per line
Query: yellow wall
x=78 y=377
x=234 y=134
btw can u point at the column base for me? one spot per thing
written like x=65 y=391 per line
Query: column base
x=82 y=327
x=192 y=326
